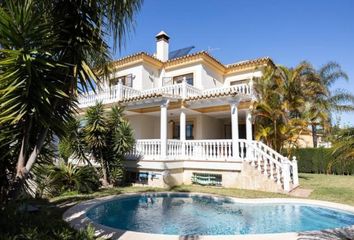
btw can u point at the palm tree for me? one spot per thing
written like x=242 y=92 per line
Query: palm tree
x=121 y=132
x=328 y=101
x=96 y=135
x=284 y=109
x=343 y=148
x=268 y=106
x=281 y=96
x=105 y=136
x=44 y=68
x=54 y=179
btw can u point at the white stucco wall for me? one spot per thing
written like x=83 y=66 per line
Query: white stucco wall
x=145 y=127
x=146 y=76
x=207 y=127
x=150 y=77
x=210 y=78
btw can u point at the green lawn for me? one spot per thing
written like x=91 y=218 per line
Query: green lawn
x=332 y=188
x=47 y=223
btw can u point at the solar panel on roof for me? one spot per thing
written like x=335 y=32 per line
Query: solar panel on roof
x=180 y=52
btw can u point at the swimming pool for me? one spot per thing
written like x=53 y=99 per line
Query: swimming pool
x=195 y=214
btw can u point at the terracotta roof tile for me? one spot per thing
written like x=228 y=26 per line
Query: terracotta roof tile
x=250 y=62
x=132 y=56
x=241 y=64
x=141 y=97
x=212 y=95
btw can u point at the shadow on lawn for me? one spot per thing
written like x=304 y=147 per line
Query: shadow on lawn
x=180 y=189
x=17 y=221
x=305 y=177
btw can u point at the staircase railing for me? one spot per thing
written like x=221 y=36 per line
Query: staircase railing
x=292 y=165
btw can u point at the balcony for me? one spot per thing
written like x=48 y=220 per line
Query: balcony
x=182 y=90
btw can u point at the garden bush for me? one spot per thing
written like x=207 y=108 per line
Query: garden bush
x=55 y=179
x=317 y=160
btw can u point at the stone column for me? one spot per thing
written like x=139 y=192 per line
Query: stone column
x=163 y=129
x=120 y=95
x=184 y=88
x=234 y=130
x=249 y=134
x=182 y=129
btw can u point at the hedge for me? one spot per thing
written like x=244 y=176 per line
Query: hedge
x=316 y=160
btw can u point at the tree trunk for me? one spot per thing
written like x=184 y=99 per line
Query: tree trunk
x=37 y=148
x=22 y=171
x=314 y=135
x=105 y=181
x=21 y=161
x=275 y=135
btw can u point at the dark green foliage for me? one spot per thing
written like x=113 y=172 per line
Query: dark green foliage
x=343 y=152
x=53 y=180
x=317 y=160
x=105 y=136
x=47 y=223
x=48 y=53
x=117 y=174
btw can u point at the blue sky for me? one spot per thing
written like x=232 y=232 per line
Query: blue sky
x=287 y=31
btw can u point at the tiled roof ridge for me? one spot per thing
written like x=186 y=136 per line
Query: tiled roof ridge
x=141 y=97
x=244 y=62
x=203 y=52
x=135 y=55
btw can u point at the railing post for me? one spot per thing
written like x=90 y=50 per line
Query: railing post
x=184 y=88
x=295 y=171
x=286 y=175
x=120 y=90
x=163 y=129
x=251 y=86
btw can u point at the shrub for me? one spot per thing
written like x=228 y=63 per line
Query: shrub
x=317 y=160
x=54 y=179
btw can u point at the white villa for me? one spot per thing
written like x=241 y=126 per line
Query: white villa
x=192 y=121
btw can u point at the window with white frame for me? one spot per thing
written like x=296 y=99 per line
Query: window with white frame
x=126 y=80
x=179 y=79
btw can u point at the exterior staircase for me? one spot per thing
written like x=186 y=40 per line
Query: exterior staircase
x=274 y=166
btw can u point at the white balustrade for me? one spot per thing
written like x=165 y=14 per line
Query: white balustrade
x=146 y=149
x=242 y=88
x=174 y=90
x=174 y=149
x=182 y=90
x=268 y=162
x=281 y=159
x=193 y=91
x=208 y=149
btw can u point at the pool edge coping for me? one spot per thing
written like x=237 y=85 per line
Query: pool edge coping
x=76 y=217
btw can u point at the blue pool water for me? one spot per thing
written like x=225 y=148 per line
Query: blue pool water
x=181 y=214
